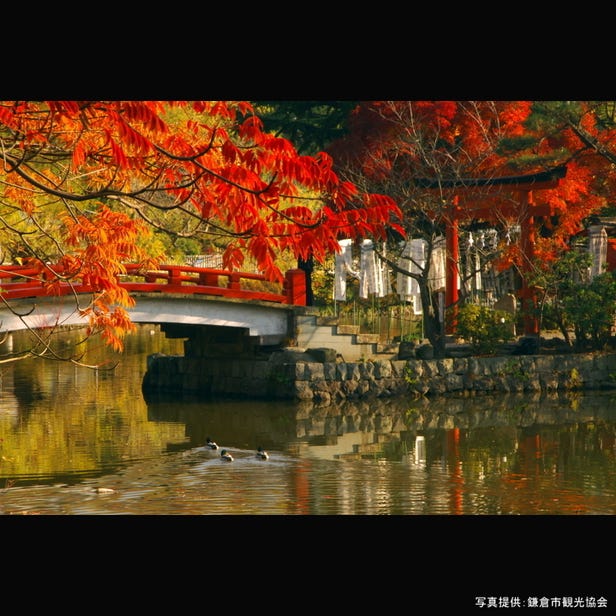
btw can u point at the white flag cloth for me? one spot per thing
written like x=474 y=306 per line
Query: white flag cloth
x=597 y=247
x=343 y=265
x=473 y=265
x=437 y=266
x=384 y=273
x=403 y=282
x=412 y=260
x=477 y=271
x=369 y=279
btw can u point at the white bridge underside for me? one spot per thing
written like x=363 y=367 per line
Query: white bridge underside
x=268 y=322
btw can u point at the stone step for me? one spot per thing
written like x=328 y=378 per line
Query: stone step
x=367 y=338
x=387 y=347
x=316 y=331
x=347 y=329
x=327 y=320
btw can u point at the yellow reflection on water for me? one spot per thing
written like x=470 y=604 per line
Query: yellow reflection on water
x=57 y=418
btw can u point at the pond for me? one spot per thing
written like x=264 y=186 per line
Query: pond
x=79 y=441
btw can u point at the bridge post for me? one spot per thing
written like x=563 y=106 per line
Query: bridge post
x=234 y=281
x=175 y=275
x=208 y=279
x=295 y=287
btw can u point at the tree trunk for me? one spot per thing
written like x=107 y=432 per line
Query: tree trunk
x=434 y=328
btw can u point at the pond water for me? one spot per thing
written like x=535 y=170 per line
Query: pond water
x=78 y=441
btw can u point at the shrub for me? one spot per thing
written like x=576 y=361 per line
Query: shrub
x=484 y=328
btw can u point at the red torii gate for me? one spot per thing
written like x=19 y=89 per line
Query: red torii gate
x=524 y=209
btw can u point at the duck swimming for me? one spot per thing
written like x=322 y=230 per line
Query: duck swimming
x=226 y=456
x=262 y=454
x=210 y=444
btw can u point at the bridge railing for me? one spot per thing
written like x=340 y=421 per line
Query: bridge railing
x=210 y=281
x=22 y=281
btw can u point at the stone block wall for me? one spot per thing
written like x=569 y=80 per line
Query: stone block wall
x=298 y=376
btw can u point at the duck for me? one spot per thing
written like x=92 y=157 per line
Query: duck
x=226 y=456
x=262 y=454
x=210 y=444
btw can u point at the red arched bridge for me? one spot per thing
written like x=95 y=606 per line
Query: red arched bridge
x=176 y=296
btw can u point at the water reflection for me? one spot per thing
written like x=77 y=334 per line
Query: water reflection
x=75 y=441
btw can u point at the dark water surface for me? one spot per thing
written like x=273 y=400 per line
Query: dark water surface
x=75 y=441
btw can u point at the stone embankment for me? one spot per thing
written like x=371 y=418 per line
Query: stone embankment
x=321 y=376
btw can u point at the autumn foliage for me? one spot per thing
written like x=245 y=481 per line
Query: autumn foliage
x=457 y=162
x=80 y=180
x=83 y=182
x=391 y=144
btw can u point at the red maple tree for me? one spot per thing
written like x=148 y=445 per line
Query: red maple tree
x=80 y=180
x=428 y=154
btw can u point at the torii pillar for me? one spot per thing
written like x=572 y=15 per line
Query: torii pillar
x=527 y=294
x=452 y=271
